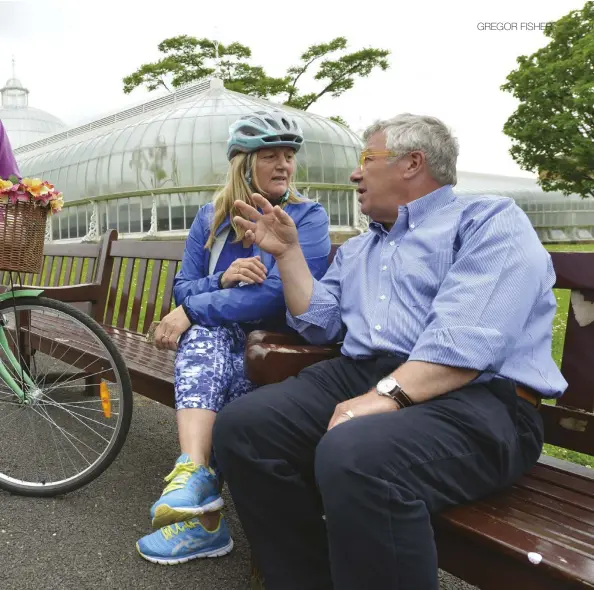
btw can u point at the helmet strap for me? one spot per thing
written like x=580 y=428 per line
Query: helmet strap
x=248 y=179
x=285 y=197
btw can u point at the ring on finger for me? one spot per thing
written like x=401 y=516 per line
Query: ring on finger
x=350 y=414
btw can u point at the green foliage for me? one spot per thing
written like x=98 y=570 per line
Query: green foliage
x=188 y=59
x=340 y=121
x=337 y=75
x=553 y=127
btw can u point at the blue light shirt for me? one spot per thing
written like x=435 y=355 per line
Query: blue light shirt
x=458 y=280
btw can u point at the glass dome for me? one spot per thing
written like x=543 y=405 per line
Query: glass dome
x=176 y=141
x=24 y=124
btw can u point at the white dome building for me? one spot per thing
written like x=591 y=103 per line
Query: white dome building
x=23 y=123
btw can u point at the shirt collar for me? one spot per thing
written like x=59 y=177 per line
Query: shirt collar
x=416 y=211
x=420 y=209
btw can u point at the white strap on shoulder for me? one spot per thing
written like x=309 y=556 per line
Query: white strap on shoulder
x=217 y=248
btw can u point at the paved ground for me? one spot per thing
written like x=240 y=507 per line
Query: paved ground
x=86 y=540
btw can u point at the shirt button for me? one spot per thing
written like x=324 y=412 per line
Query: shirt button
x=382 y=297
x=378 y=327
x=392 y=243
x=384 y=267
x=412 y=226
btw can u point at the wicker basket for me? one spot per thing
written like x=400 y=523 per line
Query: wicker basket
x=22 y=234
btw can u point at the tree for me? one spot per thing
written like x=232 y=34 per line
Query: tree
x=552 y=129
x=188 y=59
x=337 y=75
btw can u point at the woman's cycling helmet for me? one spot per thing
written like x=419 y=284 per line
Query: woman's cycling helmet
x=263 y=129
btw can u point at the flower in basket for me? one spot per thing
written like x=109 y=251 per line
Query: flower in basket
x=31 y=190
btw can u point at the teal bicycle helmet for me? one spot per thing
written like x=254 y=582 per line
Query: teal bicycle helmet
x=263 y=129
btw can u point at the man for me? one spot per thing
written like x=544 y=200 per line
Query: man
x=445 y=310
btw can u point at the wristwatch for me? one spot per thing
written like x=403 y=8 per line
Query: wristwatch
x=389 y=387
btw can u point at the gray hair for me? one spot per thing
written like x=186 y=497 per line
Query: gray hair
x=406 y=133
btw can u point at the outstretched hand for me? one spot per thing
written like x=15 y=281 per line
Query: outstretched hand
x=273 y=230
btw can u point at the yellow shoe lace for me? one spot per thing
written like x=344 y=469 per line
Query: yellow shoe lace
x=179 y=477
x=179 y=527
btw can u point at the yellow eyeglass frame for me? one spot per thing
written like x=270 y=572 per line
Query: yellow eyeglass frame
x=377 y=153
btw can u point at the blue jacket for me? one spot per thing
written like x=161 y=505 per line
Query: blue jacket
x=262 y=305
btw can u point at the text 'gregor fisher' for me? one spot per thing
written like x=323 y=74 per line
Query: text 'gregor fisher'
x=522 y=26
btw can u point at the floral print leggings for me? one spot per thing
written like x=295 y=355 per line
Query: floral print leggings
x=209 y=368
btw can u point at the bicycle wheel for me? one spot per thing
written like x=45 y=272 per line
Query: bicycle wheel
x=75 y=413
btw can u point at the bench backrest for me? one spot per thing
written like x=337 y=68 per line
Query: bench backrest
x=141 y=284
x=570 y=423
x=67 y=264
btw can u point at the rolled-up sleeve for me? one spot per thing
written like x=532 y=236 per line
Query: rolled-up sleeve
x=321 y=323
x=488 y=295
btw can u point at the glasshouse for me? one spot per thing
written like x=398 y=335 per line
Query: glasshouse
x=145 y=171
x=24 y=124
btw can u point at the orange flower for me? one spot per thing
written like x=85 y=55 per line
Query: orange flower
x=35 y=186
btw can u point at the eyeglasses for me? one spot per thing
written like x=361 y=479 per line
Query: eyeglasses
x=369 y=155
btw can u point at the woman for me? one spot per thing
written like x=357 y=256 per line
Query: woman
x=224 y=289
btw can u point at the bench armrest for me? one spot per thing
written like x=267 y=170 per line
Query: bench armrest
x=272 y=357
x=69 y=293
x=264 y=337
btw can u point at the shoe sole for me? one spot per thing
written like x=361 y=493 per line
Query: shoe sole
x=165 y=514
x=210 y=553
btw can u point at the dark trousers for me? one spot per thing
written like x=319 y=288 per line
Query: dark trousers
x=377 y=479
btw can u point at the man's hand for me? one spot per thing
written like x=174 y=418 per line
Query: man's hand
x=364 y=405
x=248 y=270
x=273 y=230
x=170 y=329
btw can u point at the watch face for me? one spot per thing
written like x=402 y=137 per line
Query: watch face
x=386 y=385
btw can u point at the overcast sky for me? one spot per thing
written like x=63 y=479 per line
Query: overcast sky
x=72 y=56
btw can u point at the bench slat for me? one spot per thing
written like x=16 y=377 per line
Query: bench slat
x=152 y=295
x=48 y=272
x=168 y=291
x=113 y=291
x=138 y=294
x=58 y=271
x=68 y=270
x=79 y=262
x=125 y=293
x=90 y=269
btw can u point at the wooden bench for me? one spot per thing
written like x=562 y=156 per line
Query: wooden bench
x=108 y=280
x=550 y=511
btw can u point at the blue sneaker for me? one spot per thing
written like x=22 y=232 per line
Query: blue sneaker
x=191 y=491
x=183 y=541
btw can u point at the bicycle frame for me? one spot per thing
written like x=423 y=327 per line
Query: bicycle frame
x=5 y=374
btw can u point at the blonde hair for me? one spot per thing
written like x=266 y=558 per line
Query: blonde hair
x=237 y=189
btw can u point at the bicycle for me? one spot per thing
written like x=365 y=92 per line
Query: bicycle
x=65 y=389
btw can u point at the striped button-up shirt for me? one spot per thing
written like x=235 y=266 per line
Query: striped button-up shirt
x=458 y=280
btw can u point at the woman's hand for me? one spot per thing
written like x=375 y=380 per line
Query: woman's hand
x=248 y=270
x=170 y=329
x=273 y=230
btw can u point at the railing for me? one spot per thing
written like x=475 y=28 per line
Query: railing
x=169 y=212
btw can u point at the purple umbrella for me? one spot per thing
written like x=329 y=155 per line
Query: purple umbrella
x=8 y=165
